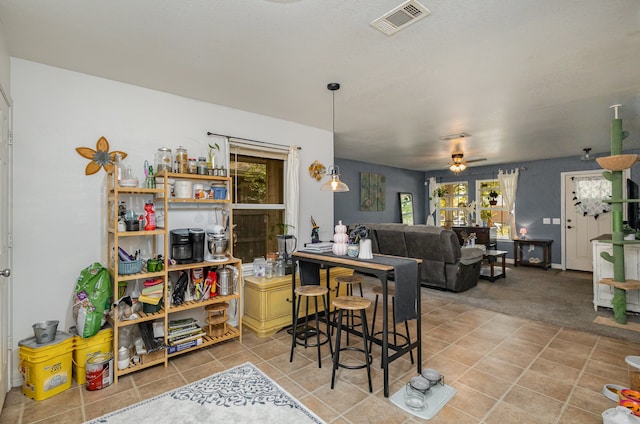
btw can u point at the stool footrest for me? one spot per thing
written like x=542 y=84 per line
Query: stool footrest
x=356 y=366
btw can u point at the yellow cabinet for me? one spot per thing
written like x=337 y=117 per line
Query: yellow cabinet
x=268 y=301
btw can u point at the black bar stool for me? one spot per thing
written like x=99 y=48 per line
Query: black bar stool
x=305 y=332
x=352 y=304
x=406 y=338
x=349 y=281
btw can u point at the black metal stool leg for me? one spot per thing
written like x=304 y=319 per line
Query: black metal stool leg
x=294 y=333
x=336 y=355
x=367 y=353
x=317 y=330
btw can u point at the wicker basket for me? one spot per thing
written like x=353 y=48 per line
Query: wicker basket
x=130 y=267
x=617 y=162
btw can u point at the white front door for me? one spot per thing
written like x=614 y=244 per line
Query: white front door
x=5 y=257
x=579 y=229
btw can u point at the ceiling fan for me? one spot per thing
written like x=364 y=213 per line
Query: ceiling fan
x=458 y=164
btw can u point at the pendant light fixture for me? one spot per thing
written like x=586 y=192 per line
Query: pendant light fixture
x=334 y=184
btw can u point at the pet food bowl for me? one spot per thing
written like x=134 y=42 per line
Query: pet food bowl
x=45 y=331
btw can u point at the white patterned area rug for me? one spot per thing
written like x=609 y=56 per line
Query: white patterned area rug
x=239 y=395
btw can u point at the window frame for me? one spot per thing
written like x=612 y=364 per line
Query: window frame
x=494 y=183
x=262 y=153
x=456 y=210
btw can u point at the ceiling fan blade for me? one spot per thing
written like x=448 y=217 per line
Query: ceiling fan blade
x=475 y=160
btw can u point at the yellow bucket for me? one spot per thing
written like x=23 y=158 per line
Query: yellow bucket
x=46 y=368
x=85 y=348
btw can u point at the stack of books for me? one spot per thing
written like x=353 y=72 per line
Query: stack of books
x=184 y=333
x=321 y=247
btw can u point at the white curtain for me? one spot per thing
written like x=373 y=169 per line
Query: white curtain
x=433 y=203
x=509 y=187
x=292 y=196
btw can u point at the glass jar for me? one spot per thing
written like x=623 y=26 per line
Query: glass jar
x=259 y=265
x=202 y=165
x=181 y=160
x=269 y=268
x=193 y=166
x=164 y=160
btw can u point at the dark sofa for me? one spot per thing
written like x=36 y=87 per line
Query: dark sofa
x=444 y=264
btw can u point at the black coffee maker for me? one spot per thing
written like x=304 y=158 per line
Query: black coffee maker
x=187 y=245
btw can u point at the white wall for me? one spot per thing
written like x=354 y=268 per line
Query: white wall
x=4 y=62
x=58 y=211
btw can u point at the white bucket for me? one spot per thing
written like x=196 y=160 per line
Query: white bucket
x=633 y=363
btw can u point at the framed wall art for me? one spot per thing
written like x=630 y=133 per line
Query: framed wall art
x=372 y=191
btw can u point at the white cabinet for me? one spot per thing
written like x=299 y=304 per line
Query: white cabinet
x=603 y=293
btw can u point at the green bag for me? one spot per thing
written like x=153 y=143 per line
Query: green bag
x=92 y=296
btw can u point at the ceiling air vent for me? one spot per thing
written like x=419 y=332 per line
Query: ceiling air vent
x=401 y=17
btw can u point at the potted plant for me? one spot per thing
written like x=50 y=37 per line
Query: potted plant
x=629 y=233
x=440 y=191
x=493 y=197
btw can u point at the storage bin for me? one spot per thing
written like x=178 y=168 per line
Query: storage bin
x=83 y=348
x=46 y=368
x=129 y=267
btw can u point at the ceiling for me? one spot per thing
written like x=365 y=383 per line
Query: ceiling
x=526 y=79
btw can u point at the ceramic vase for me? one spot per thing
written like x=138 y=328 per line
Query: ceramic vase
x=353 y=250
x=365 y=249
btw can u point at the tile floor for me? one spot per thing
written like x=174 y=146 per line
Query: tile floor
x=505 y=370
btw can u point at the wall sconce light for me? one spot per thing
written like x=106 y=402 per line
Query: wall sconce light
x=334 y=184
x=523 y=233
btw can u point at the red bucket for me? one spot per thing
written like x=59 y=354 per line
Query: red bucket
x=99 y=371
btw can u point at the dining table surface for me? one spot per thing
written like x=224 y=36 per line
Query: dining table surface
x=385 y=268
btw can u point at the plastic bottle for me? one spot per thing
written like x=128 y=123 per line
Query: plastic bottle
x=279 y=267
x=150 y=217
x=268 y=269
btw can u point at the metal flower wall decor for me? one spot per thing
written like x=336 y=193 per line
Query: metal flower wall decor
x=100 y=157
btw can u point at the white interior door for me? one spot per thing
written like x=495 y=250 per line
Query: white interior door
x=579 y=229
x=5 y=254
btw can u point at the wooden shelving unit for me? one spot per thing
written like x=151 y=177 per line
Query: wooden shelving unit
x=160 y=245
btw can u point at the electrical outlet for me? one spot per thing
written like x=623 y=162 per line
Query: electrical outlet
x=531 y=247
x=546 y=220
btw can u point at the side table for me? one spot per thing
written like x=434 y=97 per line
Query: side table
x=490 y=273
x=518 y=252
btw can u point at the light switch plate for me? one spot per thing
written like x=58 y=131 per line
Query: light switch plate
x=556 y=221
x=546 y=220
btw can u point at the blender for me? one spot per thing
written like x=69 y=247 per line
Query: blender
x=286 y=245
x=217 y=244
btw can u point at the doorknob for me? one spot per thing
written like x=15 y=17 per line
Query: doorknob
x=5 y=272
x=569 y=226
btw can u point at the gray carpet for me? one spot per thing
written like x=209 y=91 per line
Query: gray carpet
x=563 y=298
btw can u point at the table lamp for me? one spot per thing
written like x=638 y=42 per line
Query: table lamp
x=523 y=233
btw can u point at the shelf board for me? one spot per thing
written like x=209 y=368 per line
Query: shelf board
x=182 y=267
x=138 y=367
x=191 y=304
x=144 y=317
x=136 y=276
x=627 y=285
x=193 y=176
x=137 y=190
x=231 y=333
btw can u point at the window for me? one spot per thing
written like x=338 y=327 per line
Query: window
x=258 y=201
x=454 y=198
x=490 y=207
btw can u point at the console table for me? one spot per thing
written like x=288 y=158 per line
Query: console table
x=380 y=267
x=518 y=252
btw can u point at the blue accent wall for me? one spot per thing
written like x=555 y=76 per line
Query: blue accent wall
x=538 y=196
x=346 y=206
